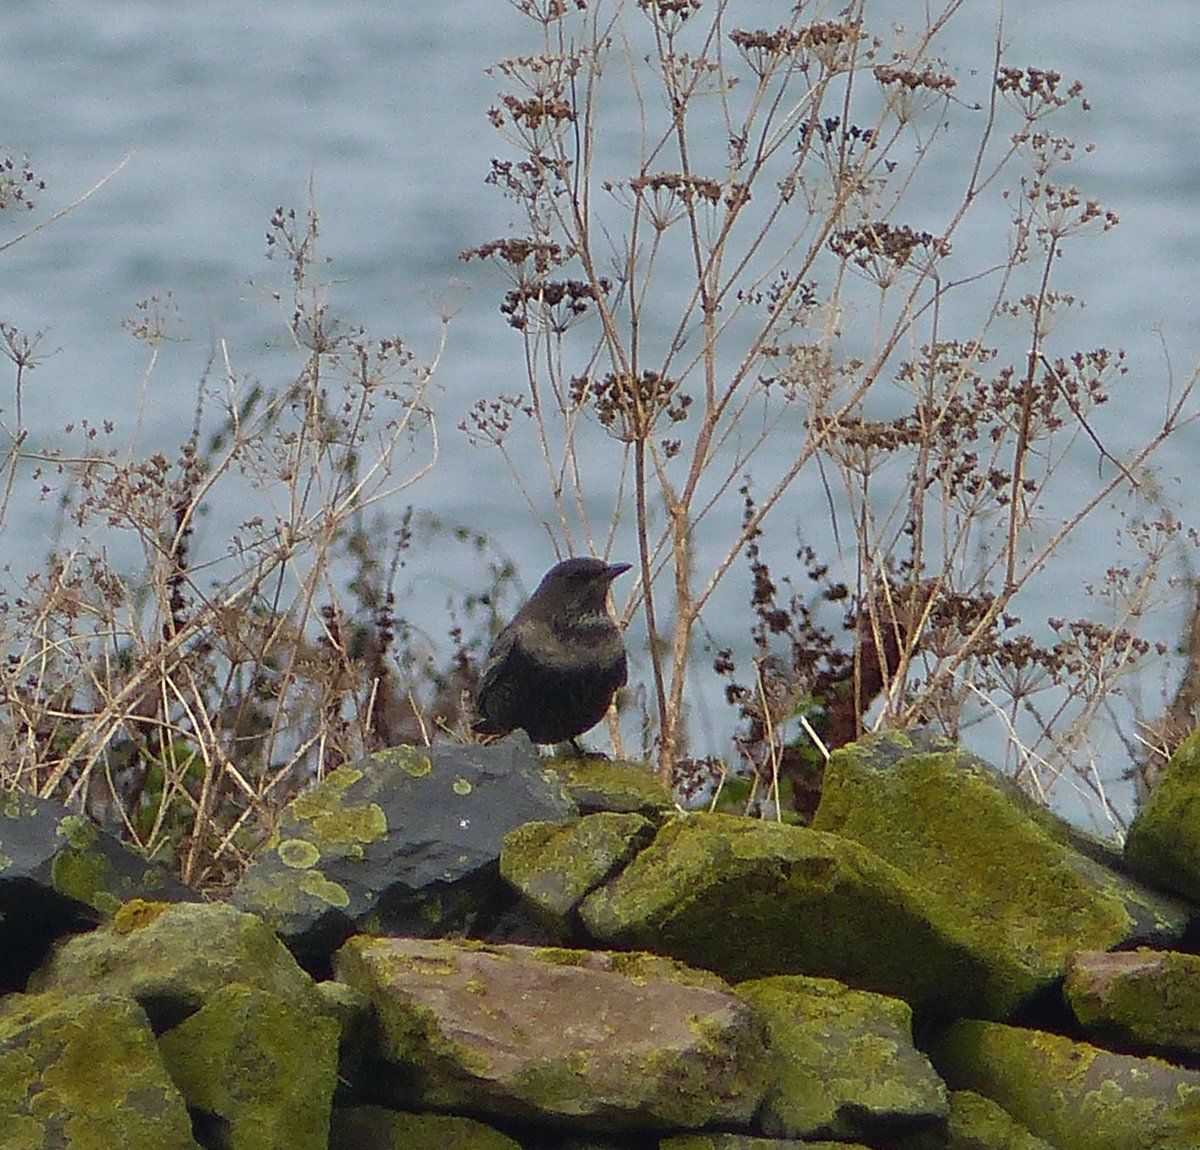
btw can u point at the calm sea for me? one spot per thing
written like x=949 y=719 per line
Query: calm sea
x=231 y=109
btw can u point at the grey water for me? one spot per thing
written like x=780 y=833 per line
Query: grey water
x=228 y=110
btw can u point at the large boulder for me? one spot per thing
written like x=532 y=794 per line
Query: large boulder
x=747 y=899
x=406 y=841
x=1026 y=896
x=594 y=1040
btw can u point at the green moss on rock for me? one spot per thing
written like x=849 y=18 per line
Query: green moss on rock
x=749 y=898
x=1146 y=998
x=172 y=960
x=604 y=785
x=842 y=1061
x=376 y=1128
x=85 y=1072
x=976 y=1123
x=958 y=831
x=554 y=865
x=1163 y=843
x=266 y=1069
x=1074 y=1095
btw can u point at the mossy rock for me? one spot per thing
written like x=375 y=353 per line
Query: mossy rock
x=554 y=865
x=590 y=1040
x=960 y=832
x=1148 y=999
x=612 y=785
x=84 y=1071
x=748 y=898
x=377 y=1128
x=172 y=957
x=405 y=842
x=1074 y=1095
x=842 y=1062
x=1163 y=844
x=264 y=1069
x=975 y=1123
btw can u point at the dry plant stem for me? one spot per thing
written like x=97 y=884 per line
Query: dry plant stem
x=1021 y=448
x=70 y=207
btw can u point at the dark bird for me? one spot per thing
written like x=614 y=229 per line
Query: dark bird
x=554 y=669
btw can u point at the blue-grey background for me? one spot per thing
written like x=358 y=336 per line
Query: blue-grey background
x=231 y=108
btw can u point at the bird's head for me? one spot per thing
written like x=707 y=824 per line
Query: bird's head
x=579 y=586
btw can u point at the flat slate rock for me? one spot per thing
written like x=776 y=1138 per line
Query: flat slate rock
x=406 y=841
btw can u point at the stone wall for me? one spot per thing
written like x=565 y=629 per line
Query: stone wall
x=475 y=947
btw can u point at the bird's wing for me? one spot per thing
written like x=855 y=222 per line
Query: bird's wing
x=494 y=668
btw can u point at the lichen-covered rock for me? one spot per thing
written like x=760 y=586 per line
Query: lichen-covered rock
x=85 y=1071
x=975 y=1123
x=748 y=1142
x=355 y=1018
x=606 y=785
x=262 y=1067
x=1074 y=1095
x=171 y=957
x=60 y=872
x=1147 y=998
x=406 y=841
x=1163 y=843
x=377 y=1128
x=748 y=898
x=842 y=1062
x=586 y=1038
x=957 y=830
x=555 y=864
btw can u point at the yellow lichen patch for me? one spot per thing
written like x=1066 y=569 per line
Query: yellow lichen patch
x=137 y=913
x=461 y=786
x=412 y=760
x=318 y=886
x=298 y=854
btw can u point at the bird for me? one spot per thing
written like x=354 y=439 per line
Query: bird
x=553 y=670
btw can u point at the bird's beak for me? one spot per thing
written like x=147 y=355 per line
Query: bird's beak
x=616 y=569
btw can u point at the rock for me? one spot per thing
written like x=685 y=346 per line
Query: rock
x=1144 y=998
x=747 y=899
x=604 y=785
x=262 y=1069
x=959 y=832
x=406 y=841
x=1074 y=1095
x=554 y=865
x=747 y=1142
x=1163 y=843
x=171 y=958
x=976 y=1123
x=376 y=1128
x=842 y=1063
x=59 y=872
x=583 y=1038
x=356 y=1024
x=85 y=1071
